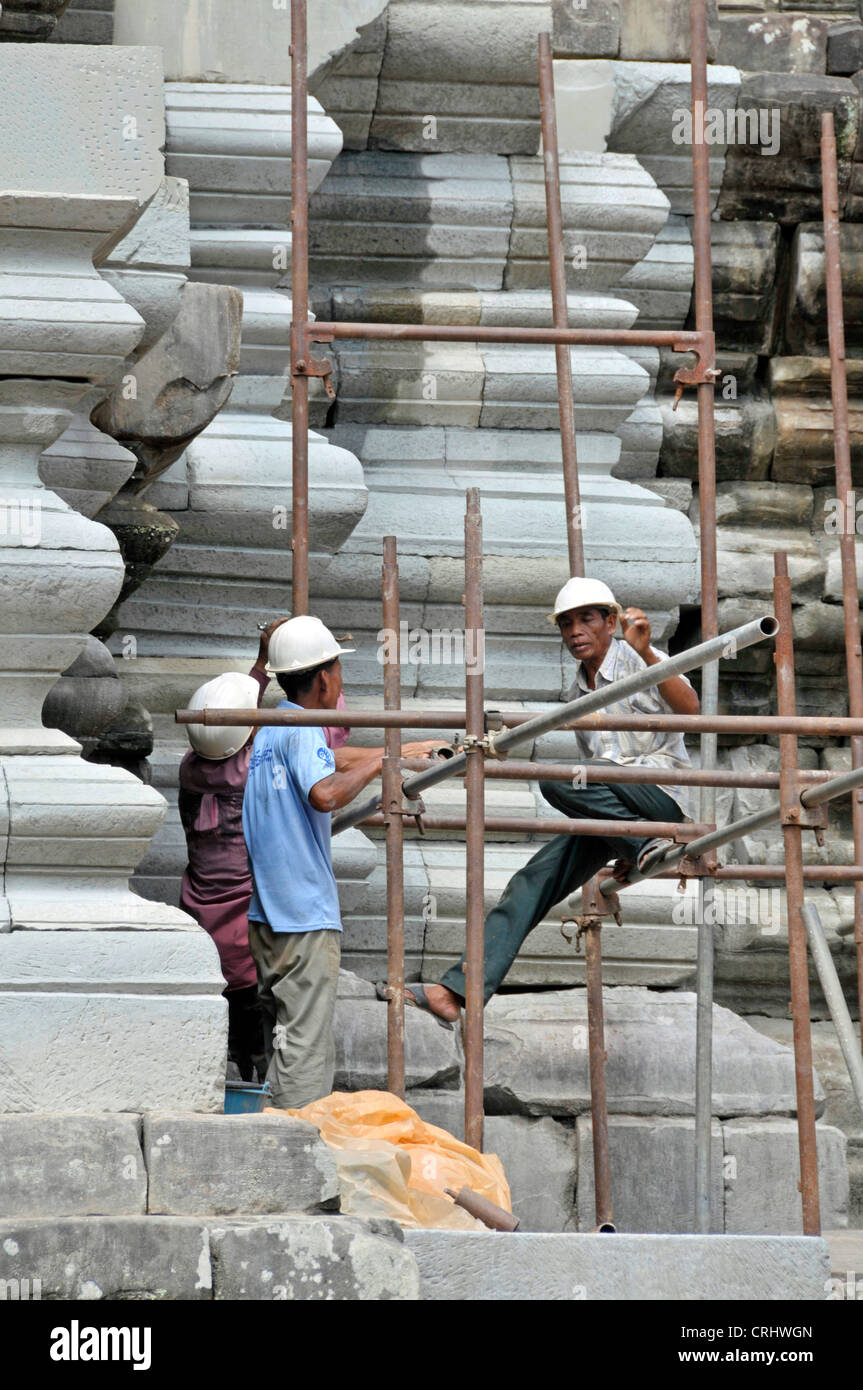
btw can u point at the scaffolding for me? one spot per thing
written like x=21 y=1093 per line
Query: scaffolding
x=489 y=734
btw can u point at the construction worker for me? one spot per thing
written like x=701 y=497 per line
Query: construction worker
x=295 y=781
x=217 y=883
x=587 y=614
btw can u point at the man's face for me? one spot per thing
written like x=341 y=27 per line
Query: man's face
x=587 y=632
x=331 y=686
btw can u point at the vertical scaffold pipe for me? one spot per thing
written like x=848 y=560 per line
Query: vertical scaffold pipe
x=560 y=312
x=845 y=498
x=596 y=1060
x=392 y=805
x=474 y=781
x=300 y=313
x=709 y=611
x=797 y=957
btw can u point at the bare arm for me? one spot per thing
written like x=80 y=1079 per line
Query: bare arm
x=340 y=788
x=676 y=691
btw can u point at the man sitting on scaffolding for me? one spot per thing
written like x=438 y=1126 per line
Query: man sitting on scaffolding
x=587 y=615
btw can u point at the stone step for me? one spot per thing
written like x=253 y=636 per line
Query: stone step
x=479 y=1265
x=284 y=1256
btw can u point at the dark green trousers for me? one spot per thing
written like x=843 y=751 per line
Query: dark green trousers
x=562 y=865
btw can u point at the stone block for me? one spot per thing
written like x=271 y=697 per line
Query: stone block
x=86 y=21
x=480 y=1265
x=744 y=259
x=65 y=992
x=841 y=1109
x=652 y=1165
x=469 y=64
x=845 y=48
x=218 y=1165
x=773 y=42
x=806 y=305
x=658 y=31
x=536 y=1057
x=745 y=438
x=538 y=1157
x=772 y=170
x=589 y=32
x=71 y=1165
x=360 y=1029
x=762 y=1173
x=800 y=391
x=311 y=1258
x=90 y=90
x=763 y=504
x=138 y=1258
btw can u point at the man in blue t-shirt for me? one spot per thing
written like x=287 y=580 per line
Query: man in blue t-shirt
x=295 y=781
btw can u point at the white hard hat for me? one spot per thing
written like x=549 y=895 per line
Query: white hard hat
x=584 y=593
x=228 y=691
x=301 y=644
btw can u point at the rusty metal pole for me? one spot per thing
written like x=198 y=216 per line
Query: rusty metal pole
x=798 y=961
x=474 y=782
x=709 y=610
x=845 y=496
x=560 y=311
x=300 y=309
x=392 y=804
x=592 y=907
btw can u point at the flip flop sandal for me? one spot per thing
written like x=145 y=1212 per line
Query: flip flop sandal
x=653 y=851
x=418 y=1001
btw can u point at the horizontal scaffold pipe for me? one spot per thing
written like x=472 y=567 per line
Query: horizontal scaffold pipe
x=813 y=796
x=737 y=725
x=556 y=825
x=688 y=340
x=727 y=644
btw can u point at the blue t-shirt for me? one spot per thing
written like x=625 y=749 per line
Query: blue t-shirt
x=287 y=839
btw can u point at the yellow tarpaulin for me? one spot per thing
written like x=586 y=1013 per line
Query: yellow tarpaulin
x=391 y=1163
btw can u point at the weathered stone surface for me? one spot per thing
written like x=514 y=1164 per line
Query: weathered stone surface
x=652 y=1163
x=86 y=21
x=845 y=48
x=784 y=184
x=762 y=1167
x=841 y=1109
x=472 y=64
x=536 y=1058
x=360 y=1029
x=103 y=1257
x=71 y=1165
x=85 y=467
x=347 y=84
x=745 y=437
x=658 y=31
x=217 y=1165
x=800 y=393
x=744 y=257
x=312 y=1258
x=538 y=1157
x=479 y=1265
x=806 y=306
x=650 y=111
x=592 y=32
x=180 y=384
x=27 y=20
x=763 y=504
x=773 y=42
x=745 y=562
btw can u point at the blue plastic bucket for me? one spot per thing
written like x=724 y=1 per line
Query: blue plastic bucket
x=243 y=1098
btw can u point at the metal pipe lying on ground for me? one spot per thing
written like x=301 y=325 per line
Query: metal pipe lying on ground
x=728 y=643
x=835 y=997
